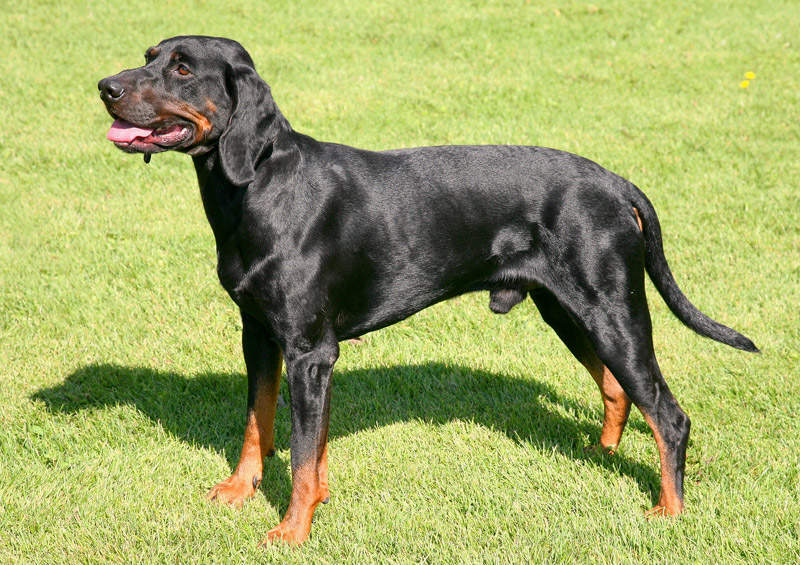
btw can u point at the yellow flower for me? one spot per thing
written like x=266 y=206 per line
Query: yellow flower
x=744 y=83
x=749 y=75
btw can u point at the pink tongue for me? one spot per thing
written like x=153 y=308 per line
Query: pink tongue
x=125 y=132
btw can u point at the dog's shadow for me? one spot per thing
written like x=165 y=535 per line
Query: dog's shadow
x=208 y=410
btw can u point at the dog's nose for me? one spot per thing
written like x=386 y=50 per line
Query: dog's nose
x=110 y=89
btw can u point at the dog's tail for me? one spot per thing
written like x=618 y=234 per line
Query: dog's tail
x=660 y=274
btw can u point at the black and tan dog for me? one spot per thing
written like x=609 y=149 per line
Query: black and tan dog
x=319 y=242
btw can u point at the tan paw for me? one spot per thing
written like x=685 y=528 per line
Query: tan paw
x=598 y=449
x=284 y=532
x=234 y=490
x=659 y=511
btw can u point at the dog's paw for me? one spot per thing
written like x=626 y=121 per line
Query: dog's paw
x=234 y=490
x=599 y=450
x=285 y=533
x=661 y=510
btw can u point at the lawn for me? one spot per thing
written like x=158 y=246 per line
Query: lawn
x=457 y=435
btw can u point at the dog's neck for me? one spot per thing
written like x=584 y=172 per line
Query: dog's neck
x=222 y=201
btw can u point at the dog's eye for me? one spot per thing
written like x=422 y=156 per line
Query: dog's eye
x=182 y=70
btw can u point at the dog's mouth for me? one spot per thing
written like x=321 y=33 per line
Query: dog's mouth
x=136 y=139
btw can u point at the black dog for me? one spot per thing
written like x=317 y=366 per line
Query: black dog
x=319 y=242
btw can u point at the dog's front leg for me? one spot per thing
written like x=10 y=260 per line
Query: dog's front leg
x=262 y=357
x=309 y=375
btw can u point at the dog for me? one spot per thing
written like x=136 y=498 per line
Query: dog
x=319 y=242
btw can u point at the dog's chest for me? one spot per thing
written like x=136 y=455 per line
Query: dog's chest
x=230 y=269
x=252 y=281
x=235 y=272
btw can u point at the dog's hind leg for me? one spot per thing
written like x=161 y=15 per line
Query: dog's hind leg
x=616 y=404
x=596 y=274
x=620 y=331
x=631 y=358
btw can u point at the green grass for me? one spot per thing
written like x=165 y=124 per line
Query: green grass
x=457 y=435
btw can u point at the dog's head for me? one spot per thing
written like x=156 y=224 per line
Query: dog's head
x=194 y=94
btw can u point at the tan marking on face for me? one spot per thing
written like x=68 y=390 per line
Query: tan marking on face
x=185 y=110
x=210 y=106
x=166 y=107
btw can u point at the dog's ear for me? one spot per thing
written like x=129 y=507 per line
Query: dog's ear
x=254 y=124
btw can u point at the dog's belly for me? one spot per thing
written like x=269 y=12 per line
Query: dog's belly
x=508 y=264
x=367 y=283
